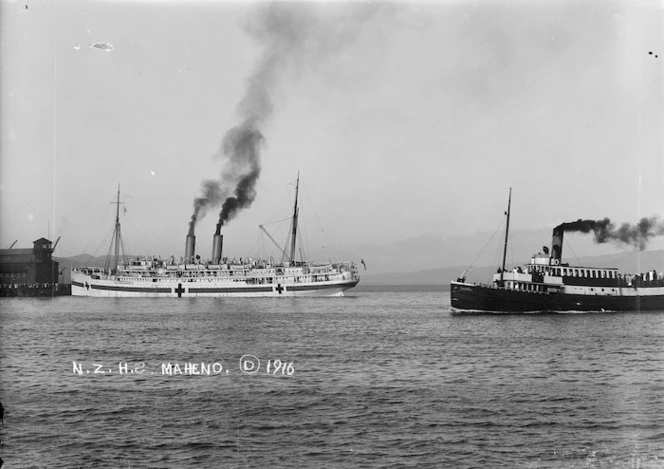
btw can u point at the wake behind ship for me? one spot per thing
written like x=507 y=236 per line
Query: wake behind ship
x=217 y=277
x=548 y=284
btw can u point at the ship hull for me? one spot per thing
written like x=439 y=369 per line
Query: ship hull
x=470 y=297
x=85 y=285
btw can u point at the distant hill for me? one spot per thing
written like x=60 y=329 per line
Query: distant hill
x=431 y=251
x=633 y=262
x=441 y=276
x=629 y=262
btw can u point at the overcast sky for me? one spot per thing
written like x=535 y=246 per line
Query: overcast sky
x=404 y=119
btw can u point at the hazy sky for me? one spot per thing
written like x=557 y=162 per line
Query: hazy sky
x=404 y=119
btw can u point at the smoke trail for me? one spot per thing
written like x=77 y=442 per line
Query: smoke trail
x=291 y=35
x=605 y=231
x=213 y=194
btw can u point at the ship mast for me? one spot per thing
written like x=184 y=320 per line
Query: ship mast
x=117 y=238
x=507 y=232
x=294 y=233
x=117 y=230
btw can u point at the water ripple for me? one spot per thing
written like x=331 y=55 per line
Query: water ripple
x=383 y=379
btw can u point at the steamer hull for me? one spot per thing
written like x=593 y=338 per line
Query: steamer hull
x=470 y=297
x=107 y=286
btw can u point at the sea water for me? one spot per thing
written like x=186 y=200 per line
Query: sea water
x=383 y=378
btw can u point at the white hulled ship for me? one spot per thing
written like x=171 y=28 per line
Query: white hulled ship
x=218 y=277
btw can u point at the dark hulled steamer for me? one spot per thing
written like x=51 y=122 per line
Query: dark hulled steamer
x=549 y=284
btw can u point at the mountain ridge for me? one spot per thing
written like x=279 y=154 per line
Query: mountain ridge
x=628 y=262
x=632 y=262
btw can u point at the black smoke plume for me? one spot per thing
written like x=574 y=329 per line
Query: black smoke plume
x=291 y=35
x=605 y=231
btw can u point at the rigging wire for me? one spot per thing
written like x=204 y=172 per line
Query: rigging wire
x=497 y=255
x=303 y=245
x=318 y=221
x=255 y=250
x=92 y=237
x=531 y=215
x=260 y=244
x=154 y=241
x=278 y=221
x=123 y=246
x=288 y=241
x=264 y=251
x=94 y=253
x=568 y=245
x=278 y=210
x=123 y=251
x=303 y=241
x=485 y=246
x=279 y=233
